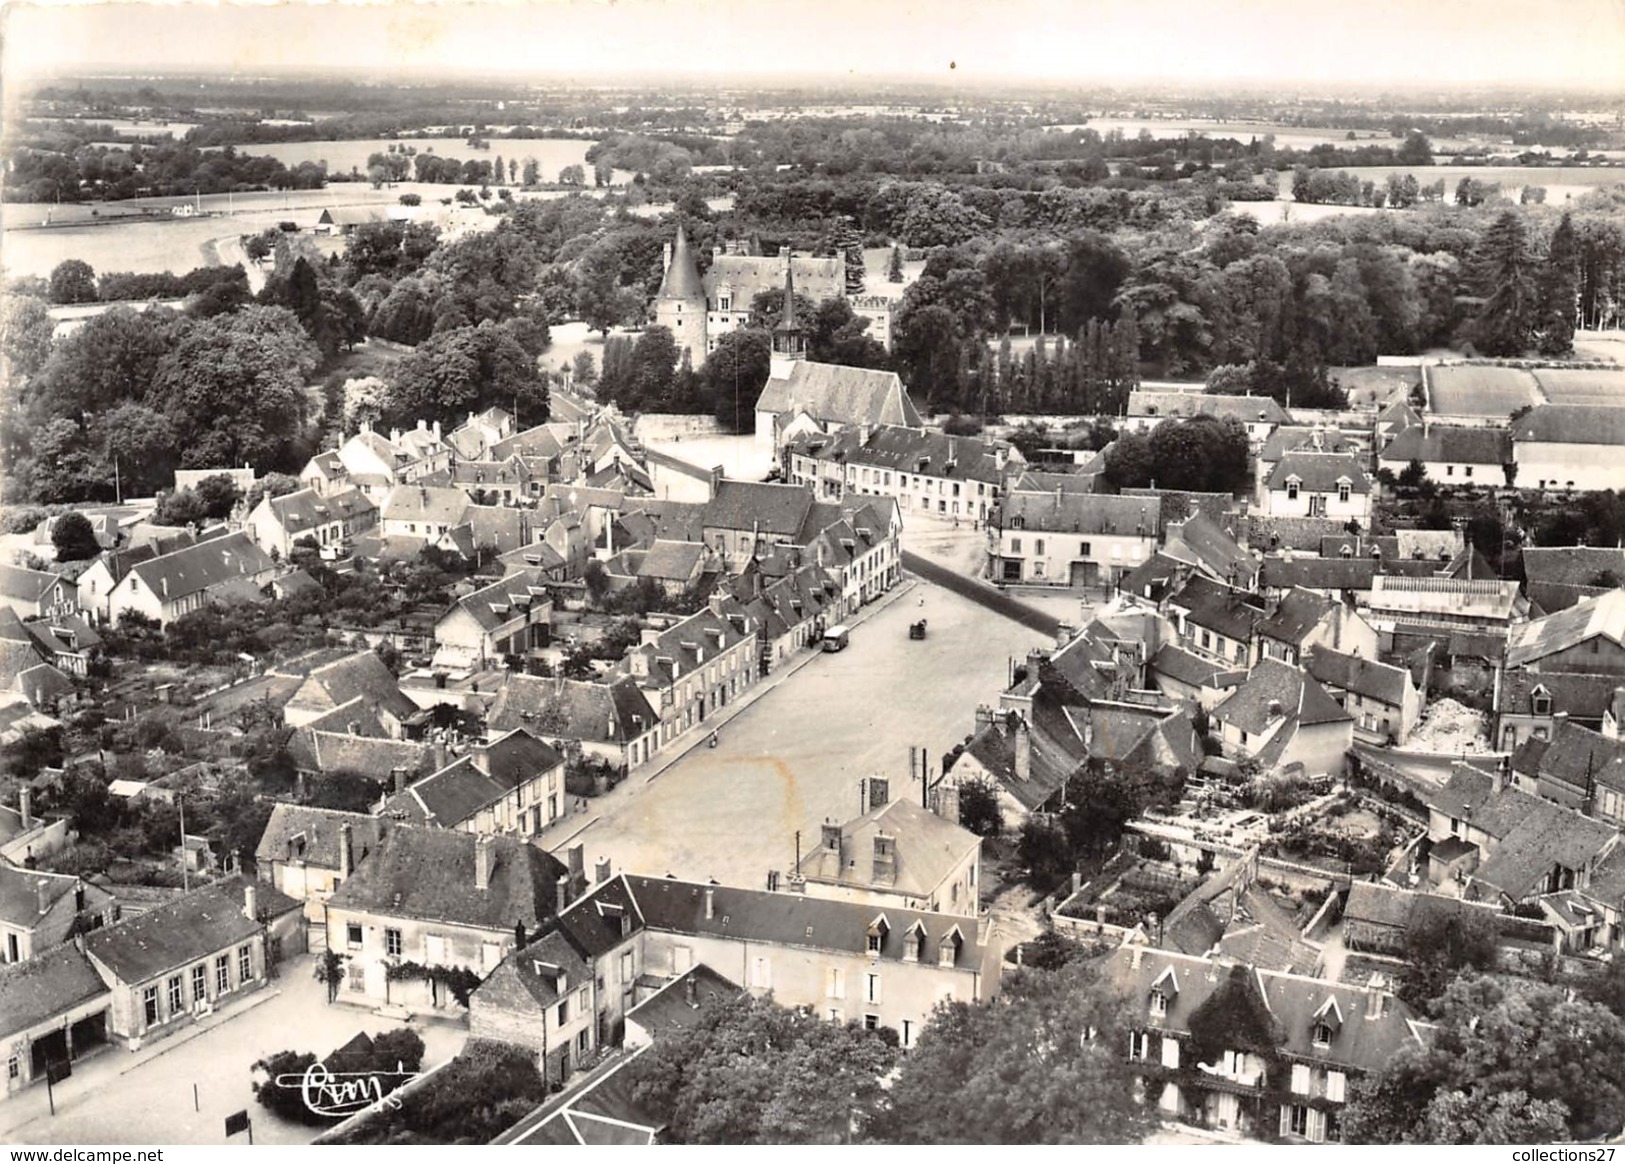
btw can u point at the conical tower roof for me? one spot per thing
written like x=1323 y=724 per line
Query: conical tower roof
x=682 y=279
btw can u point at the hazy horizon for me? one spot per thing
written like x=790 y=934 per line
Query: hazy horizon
x=1381 y=45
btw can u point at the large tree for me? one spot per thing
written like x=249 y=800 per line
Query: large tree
x=73 y=281
x=1504 y=1059
x=1558 y=287
x=1504 y=271
x=233 y=388
x=463 y=370
x=26 y=328
x=735 y=373
x=752 y=1072
x=1043 y=1064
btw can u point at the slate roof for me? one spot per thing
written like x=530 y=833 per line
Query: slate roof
x=503 y=600
x=1583 y=697
x=204 y=566
x=25 y=584
x=1374 y=903
x=1571 y=424
x=1541 y=839
x=678 y=521
x=1216 y=607
x=1082 y=513
x=428 y=874
x=453 y=794
x=1192 y=669
x=37 y=990
x=1576 y=755
x=331 y=751
x=1490 y=447
x=1602 y=616
x=1347 y=545
x=1153 y=579
x=437 y=505
x=1287 y=438
x=1247 y=409
x=702 y=634
x=798 y=921
x=1300 y=612
x=1362 y=1042
x=994 y=750
x=749 y=275
x=669 y=1008
x=1559 y=576
x=361 y=675
x=306 y=509
x=186 y=930
x=1365 y=677
x=320 y=830
x=834 y=393
x=613 y=712
x=745 y=505
x=669 y=561
x=1202 y=542
x=19 y=893
x=931 y=454
x=682 y=276
x=529 y=980
x=1320 y=472
x=1273 y=681
x=928 y=849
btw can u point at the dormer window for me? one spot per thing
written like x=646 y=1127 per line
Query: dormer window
x=914 y=943
x=1342 y=490
x=1292 y=488
x=1542 y=700
x=876 y=936
x=1321 y=1036
x=1159 y=1003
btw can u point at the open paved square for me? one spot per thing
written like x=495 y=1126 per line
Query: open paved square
x=120 y=1097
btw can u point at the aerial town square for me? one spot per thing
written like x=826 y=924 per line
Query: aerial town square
x=695 y=573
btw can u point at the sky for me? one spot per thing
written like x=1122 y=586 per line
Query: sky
x=1425 y=43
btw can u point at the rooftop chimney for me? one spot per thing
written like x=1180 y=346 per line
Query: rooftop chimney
x=710 y=903
x=600 y=871
x=398 y=777
x=25 y=807
x=484 y=861
x=346 y=852
x=575 y=859
x=691 y=990
x=885 y=862
x=251 y=902
x=1024 y=751
x=43 y=888
x=879 y=792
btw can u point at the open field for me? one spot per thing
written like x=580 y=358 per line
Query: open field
x=1287 y=137
x=551 y=154
x=126 y=127
x=1583 y=386
x=1479 y=390
x=1560 y=182
x=1285 y=210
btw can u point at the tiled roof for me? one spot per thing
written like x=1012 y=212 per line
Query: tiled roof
x=306 y=509
x=843 y=395
x=1288 y=438
x=1576 y=756
x=1571 y=424
x=361 y=675
x=1491 y=447
x=1320 y=472
x=671 y=561
x=1192 y=669
x=422 y=503
x=319 y=828
x=523 y=591
x=428 y=874
x=1364 y=677
x=1082 y=513
x=671 y=1009
x=1299 y=613
x=682 y=277
x=1295 y=694
x=1247 y=409
x=1536 y=842
x=20 y=894
x=1602 y=616
x=27 y=585
x=613 y=712
x=1217 y=607
x=37 y=990
x=326 y=751
x=445 y=799
x=206 y=565
x=746 y=505
x=994 y=750
x=1201 y=541
x=191 y=928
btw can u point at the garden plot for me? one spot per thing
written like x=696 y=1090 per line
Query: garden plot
x=1479 y=390
x=1595 y=386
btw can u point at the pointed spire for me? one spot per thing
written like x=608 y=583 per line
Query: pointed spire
x=682 y=279
x=787 y=335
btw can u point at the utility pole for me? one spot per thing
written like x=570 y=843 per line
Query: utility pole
x=186 y=882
